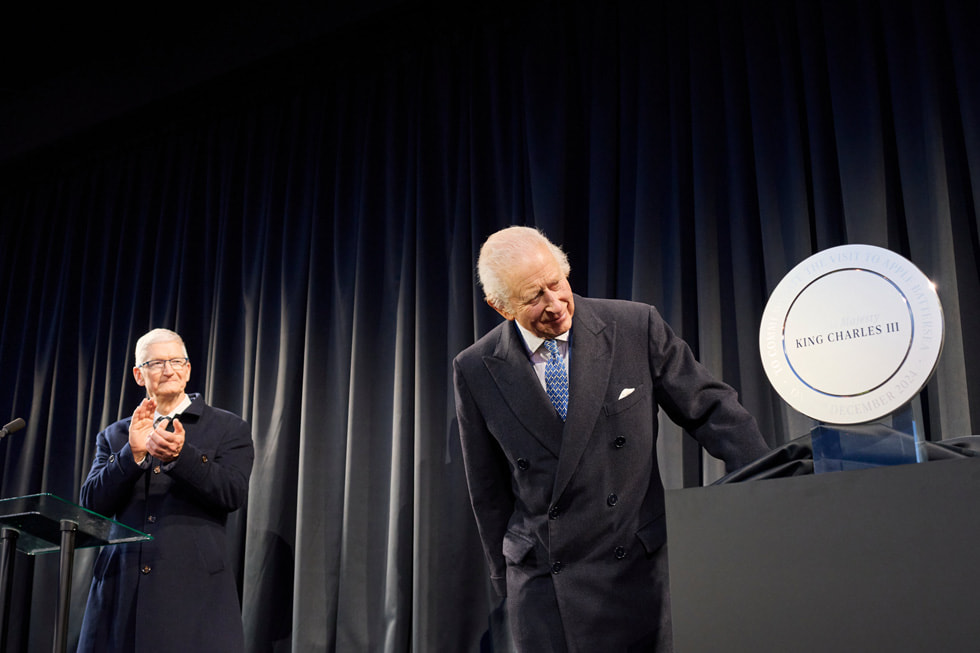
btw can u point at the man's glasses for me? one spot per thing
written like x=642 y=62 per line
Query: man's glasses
x=158 y=365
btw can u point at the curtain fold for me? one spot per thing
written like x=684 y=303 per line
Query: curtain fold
x=311 y=227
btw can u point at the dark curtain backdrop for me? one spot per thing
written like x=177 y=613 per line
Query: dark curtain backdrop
x=310 y=225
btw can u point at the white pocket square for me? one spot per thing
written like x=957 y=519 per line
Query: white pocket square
x=626 y=392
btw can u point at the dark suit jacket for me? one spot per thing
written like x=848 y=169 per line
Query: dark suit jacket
x=571 y=514
x=176 y=592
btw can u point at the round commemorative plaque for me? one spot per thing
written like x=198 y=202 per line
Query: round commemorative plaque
x=851 y=334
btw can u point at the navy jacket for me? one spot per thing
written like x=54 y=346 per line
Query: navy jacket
x=176 y=592
x=571 y=514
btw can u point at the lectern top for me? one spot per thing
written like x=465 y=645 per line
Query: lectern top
x=37 y=518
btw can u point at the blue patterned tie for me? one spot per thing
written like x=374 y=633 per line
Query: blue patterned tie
x=556 y=378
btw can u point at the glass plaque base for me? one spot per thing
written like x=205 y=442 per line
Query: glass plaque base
x=839 y=448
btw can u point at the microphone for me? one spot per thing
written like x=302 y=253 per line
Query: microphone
x=14 y=426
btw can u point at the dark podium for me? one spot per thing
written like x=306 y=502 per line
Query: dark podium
x=881 y=559
x=44 y=523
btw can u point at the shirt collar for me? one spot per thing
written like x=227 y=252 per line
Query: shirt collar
x=532 y=342
x=184 y=405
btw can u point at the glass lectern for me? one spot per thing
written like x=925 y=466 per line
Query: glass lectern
x=44 y=523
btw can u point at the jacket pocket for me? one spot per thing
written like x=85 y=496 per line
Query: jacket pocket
x=653 y=535
x=517 y=547
x=619 y=405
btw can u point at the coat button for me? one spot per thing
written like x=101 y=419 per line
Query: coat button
x=556 y=567
x=612 y=499
x=522 y=464
x=145 y=569
x=152 y=519
x=156 y=470
x=554 y=513
x=112 y=457
x=620 y=552
x=204 y=458
x=619 y=442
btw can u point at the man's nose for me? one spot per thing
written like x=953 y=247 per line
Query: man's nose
x=553 y=302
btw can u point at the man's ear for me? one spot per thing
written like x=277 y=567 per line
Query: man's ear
x=138 y=375
x=503 y=311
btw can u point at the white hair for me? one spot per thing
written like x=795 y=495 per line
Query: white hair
x=504 y=250
x=154 y=337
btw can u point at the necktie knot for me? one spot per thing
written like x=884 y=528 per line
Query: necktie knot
x=556 y=378
x=552 y=347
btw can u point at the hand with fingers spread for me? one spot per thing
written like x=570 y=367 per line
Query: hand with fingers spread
x=140 y=428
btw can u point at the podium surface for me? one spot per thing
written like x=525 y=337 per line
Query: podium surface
x=875 y=560
x=38 y=517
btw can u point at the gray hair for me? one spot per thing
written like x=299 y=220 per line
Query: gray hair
x=505 y=249
x=154 y=337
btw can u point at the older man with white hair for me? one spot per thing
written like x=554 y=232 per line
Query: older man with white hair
x=557 y=412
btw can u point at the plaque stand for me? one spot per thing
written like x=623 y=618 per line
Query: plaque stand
x=892 y=441
x=44 y=523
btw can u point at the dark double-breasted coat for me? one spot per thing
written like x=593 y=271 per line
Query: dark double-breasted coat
x=571 y=514
x=176 y=593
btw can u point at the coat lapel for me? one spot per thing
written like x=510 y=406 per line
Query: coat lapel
x=512 y=372
x=589 y=368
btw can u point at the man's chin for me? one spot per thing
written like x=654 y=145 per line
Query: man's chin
x=555 y=329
